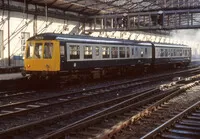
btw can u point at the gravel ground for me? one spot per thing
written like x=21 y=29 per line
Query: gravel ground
x=172 y=107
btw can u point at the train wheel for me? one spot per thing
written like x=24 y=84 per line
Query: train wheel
x=23 y=73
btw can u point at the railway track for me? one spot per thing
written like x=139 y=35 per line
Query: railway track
x=63 y=119
x=23 y=108
x=184 y=125
x=96 y=126
x=152 y=95
x=25 y=93
x=44 y=102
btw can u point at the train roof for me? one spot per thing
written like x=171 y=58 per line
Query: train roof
x=97 y=40
x=169 y=45
x=85 y=39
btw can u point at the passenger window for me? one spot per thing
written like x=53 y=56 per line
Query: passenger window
x=172 y=52
x=87 y=52
x=136 y=51
x=48 y=50
x=186 y=53
x=177 y=52
x=122 y=52
x=181 y=52
x=30 y=49
x=38 y=51
x=161 y=52
x=132 y=51
x=114 y=52
x=166 y=52
x=74 y=52
x=97 y=50
x=105 y=52
x=128 y=52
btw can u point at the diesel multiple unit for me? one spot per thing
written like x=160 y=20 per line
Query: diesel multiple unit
x=50 y=54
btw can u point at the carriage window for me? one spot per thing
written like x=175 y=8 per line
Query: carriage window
x=30 y=48
x=166 y=52
x=185 y=53
x=88 y=52
x=122 y=52
x=177 y=53
x=105 y=52
x=132 y=51
x=128 y=52
x=97 y=50
x=136 y=51
x=161 y=52
x=172 y=54
x=181 y=52
x=38 y=50
x=189 y=52
x=74 y=52
x=114 y=52
x=48 y=50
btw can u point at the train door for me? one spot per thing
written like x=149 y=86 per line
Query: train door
x=63 y=55
x=51 y=55
x=141 y=52
x=132 y=52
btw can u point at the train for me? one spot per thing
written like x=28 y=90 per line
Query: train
x=52 y=54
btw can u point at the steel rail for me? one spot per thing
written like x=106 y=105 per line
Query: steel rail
x=123 y=101
x=171 y=122
x=95 y=118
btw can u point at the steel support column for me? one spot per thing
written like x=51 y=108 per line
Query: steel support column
x=35 y=22
x=9 y=34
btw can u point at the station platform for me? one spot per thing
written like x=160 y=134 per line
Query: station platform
x=10 y=76
x=195 y=60
x=10 y=69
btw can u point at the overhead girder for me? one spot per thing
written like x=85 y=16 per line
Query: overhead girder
x=156 y=20
x=40 y=12
x=116 y=6
x=63 y=5
x=136 y=14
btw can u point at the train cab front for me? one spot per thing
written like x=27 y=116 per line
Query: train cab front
x=42 y=58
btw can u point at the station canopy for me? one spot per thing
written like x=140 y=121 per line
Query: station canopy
x=94 y=7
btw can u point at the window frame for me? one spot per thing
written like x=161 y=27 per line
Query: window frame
x=88 y=56
x=116 y=55
x=52 y=49
x=124 y=50
x=78 y=56
x=100 y=56
x=107 y=52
